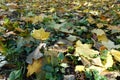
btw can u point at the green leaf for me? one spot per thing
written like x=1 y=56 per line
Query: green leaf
x=12 y=76
x=61 y=56
x=48 y=75
x=48 y=68
x=17 y=73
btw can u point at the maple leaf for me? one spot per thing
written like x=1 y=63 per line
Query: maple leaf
x=40 y=34
x=100 y=34
x=34 y=67
x=116 y=54
x=84 y=50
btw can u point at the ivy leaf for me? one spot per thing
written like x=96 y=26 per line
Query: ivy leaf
x=40 y=34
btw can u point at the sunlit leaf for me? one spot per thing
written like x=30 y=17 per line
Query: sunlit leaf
x=79 y=68
x=40 y=34
x=116 y=54
x=109 y=61
x=97 y=61
x=85 y=50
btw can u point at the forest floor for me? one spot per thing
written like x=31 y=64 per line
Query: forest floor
x=60 y=40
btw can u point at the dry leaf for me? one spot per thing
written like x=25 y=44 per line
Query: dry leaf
x=100 y=34
x=36 y=54
x=79 y=68
x=109 y=44
x=99 y=69
x=111 y=75
x=91 y=20
x=34 y=19
x=100 y=25
x=84 y=50
x=40 y=34
x=97 y=61
x=116 y=54
x=34 y=67
x=109 y=61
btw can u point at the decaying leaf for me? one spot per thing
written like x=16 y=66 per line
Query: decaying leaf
x=91 y=20
x=99 y=69
x=97 y=61
x=84 y=50
x=111 y=75
x=36 y=54
x=79 y=68
x=34 y=19
x=40 y=34
x=116 y=54
x=100 y=25
x=100 y=34
x=110 y=45
x=34 y=67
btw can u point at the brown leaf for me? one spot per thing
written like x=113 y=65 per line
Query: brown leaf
x=36 y=54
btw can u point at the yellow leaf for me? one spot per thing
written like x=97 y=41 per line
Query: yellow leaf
x=100 y=35
x=109 y=61
x=79 y=68
x=100 y=25
x=52 y=10
x=84 y=50
x=99 y=69
x=91 y=20
x=34 y=67
x=40 y=34
x=116 y=54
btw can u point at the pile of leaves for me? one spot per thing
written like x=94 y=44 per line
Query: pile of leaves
x=59 y=40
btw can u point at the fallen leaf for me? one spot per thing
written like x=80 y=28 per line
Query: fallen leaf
x=91 y=20
x=34 y=67
x=79 y=68
x=36 y=54
x=85 y=61
x=111 y=75
x=71 y=38
x=116 y=54
x=100 y=34
x=40 y=34
x=110 y=45
x=109 y=61
x=100 y=25
x=84 y=50
x=99 y=69
x=34 y=19
x=97 y=61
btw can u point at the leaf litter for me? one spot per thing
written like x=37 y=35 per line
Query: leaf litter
x=77 y=35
